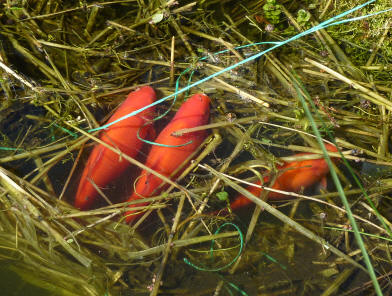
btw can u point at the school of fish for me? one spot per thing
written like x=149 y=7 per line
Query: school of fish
x=104 y=166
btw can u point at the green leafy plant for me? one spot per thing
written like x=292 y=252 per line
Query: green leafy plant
x=303 y=17
x=272 y=11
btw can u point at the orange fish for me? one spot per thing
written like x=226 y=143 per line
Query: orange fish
x=296 y=175
x=104 y=165
x=165 y=160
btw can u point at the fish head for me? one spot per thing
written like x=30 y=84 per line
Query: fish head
x=197 y=107
x=136 y=100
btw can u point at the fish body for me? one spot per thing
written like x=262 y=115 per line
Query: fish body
x=166 y=160
x=104 y=165
x=295 y=176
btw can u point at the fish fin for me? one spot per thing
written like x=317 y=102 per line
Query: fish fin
x=323 y=183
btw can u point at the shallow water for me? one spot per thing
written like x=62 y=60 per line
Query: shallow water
x=11 y=284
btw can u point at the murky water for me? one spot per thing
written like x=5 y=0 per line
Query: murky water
x=11 y=284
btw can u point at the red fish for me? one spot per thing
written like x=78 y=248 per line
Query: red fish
x=104 y=165
x=165 y=160
x=296 y=176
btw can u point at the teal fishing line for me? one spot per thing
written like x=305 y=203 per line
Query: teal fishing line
x=189 y=81
x=270 y=258
x=164 y=114
x=175 y=96
x=325 y=24
x=359 y=17
x=241 y=47
x=212 y=250
x=235 y=287
x=242 y=292
x=160 y=144
x=66 y=130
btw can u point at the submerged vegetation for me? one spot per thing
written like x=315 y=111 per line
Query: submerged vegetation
x=66 y=65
